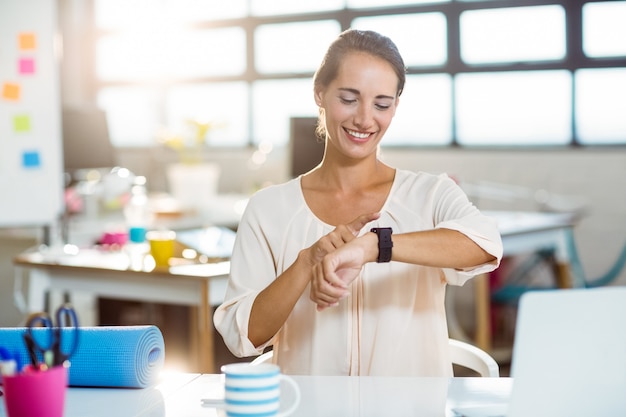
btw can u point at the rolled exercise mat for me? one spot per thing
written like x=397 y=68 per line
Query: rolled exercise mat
x=107 y=356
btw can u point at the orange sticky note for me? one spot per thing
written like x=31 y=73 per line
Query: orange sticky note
x=11 y=91
x=27 y=41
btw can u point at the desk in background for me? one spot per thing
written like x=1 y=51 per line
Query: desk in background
x=180 y=394
x=97 y=273
x=522 y=232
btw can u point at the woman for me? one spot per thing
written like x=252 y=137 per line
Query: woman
x=307 y=274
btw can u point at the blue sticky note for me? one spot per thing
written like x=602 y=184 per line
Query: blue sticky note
x=31 y=159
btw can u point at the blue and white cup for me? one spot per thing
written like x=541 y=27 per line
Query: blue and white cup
x=254 y=390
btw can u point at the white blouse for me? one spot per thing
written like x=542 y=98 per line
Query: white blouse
x=393 y=322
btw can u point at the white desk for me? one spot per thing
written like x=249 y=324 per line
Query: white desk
x=179 y=396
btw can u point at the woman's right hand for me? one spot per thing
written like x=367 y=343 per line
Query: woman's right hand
x=320 y=288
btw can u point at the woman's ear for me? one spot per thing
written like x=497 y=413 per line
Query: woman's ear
x=317 y=95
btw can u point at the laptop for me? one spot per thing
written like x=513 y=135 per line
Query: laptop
x=569 y=355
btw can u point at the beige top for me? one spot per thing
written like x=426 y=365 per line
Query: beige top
x=393 y=322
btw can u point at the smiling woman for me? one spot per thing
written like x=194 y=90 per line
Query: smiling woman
x=354 y=249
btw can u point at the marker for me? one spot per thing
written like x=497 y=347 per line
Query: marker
x=8 y=367
x=8 y=364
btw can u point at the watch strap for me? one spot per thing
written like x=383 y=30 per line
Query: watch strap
x=384 y=243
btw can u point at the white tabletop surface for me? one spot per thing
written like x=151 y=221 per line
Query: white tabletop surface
x=180 y=395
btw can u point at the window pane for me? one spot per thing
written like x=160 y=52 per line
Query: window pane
x=424 y=113
x=152 y=54
x=601 y=105
x=421 y=38
x=514 y=108
x=200 y=10
x=128 y=14
x=274 y=102
x=225 y=104
x=293 y=47
x=513 y=34
x=279 y=7
x=208 y=53
x=132 y=113
x=604 y=29
x=118 y=14
x=381 y=3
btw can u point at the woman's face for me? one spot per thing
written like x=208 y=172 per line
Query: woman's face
x=359 y=104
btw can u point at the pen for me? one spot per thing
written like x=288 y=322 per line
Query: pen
x=8 y=364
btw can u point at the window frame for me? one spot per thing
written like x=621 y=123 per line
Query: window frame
x=574 y=59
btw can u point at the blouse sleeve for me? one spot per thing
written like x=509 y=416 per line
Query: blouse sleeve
x=454 y=211
x=251 y=270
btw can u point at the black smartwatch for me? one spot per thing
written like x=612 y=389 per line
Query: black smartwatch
x=384 y=243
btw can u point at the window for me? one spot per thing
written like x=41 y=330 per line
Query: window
x=420 y=38
x=513 y=108
x=516 y=34
x=479 y=73
x=293 y=47
x=604 y=30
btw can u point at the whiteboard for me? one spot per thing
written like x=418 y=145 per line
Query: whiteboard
x=31 y=165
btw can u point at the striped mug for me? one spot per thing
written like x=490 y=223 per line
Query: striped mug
x=254 y=390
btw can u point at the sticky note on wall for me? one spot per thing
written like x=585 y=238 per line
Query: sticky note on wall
x=11 y=91
x=21 y=123
x=31 y=159
x=26 y=66
x=27 y=41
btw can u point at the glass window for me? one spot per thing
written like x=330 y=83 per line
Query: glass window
x=424 y=115
x=132 y=114
x=282 y=7
x=205 y=53
x=604 y=29
x=513 y=34
x=293 y=47
x=223 y=104
x=420 y=37
x=203 y=10
x=275 y=102
x=159 y=54
x=128 y=14
x=601 y=105
x=514 y=108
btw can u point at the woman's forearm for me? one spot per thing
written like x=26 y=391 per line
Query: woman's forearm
x=442 y=248
x=272 y=306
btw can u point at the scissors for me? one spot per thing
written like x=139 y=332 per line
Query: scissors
x=55 y=352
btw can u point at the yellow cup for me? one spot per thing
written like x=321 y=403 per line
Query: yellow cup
x=161 y=246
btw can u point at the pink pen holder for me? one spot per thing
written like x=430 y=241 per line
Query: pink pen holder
x=35 y=393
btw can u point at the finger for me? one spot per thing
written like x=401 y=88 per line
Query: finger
x=357 y=224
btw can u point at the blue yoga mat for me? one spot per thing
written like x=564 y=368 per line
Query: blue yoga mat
x=107 y=356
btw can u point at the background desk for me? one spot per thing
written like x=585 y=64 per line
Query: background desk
x=179 y=396
x=102 y=274
x=522 y=233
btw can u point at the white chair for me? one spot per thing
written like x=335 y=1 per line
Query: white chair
x=474 y=358
x=461 y=353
